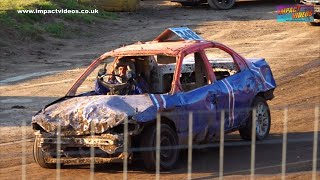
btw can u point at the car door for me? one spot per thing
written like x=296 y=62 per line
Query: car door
x=200 y=98
x=235 y=98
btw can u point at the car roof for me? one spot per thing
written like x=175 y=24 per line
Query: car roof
x=171 y=48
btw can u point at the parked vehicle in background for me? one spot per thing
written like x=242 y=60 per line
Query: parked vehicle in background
x=316 y=6
x=184 y=73
x=215 y=4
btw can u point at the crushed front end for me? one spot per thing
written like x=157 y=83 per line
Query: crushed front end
x=75 y=130
x=106 y=148
x=76 y=150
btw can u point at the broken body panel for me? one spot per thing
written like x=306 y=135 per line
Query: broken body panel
x=79 y=115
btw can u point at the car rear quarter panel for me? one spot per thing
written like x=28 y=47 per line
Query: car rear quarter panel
x=263 y=75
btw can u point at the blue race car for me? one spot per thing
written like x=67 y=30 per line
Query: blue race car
x=181 y=73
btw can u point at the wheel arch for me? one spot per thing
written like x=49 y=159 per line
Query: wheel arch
x=267 y=95
x=164 y=120
x=147 y=125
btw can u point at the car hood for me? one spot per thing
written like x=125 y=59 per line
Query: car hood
x=75 y=115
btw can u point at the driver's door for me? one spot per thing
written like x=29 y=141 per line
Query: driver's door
x=200 y=98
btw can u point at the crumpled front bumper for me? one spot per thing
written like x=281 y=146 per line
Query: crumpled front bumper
x=77 y=149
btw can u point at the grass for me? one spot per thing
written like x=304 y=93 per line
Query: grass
x=56 y=29
x=34 y=25
x=18 y=4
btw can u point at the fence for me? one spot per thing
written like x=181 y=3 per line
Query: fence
x=191 y=146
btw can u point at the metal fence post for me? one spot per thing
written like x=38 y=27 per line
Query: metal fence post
x=315 y=143
x=221 y=151
x=92 y=129
x=58 y=164
x=158 y=134
x=190 y=145
x=23 y=150
x=284 y=144
x=253 y=143
x=125 y=150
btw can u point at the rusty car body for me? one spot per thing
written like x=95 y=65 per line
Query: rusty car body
x=182 y=77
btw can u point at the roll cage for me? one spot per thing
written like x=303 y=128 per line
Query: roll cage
x=197 y=47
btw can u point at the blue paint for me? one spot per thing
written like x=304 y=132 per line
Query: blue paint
x=234 y=94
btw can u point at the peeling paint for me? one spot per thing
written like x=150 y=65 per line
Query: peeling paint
x=75 y=115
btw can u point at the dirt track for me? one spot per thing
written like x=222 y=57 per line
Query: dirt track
x=292 y=50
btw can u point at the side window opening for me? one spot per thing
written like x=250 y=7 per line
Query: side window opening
x=223 y=64
x=119 y=76
x=144 y=66
x=162 y=73
x=193 y=74
x=166 y=83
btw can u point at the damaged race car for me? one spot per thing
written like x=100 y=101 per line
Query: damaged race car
x=133 y=86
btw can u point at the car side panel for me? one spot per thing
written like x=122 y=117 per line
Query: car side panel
x=262 y=73
x=238 y=91
x=201 y=102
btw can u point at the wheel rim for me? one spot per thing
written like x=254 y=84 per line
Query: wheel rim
x=221 y=4
x=262 y=119
x=224 y=2
x=167 y=151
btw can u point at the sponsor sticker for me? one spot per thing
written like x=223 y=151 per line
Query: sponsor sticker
x=295 y=13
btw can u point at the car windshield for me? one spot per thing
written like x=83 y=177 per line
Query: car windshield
x=118 y=76
x=128 y=75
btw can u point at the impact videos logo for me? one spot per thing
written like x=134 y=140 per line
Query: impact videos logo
x=295 y=13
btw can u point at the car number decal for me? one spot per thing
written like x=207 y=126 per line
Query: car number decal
x=186 y=33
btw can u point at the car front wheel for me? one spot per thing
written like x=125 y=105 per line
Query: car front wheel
x=39 y=155
x=263 y=120
x=169 y=153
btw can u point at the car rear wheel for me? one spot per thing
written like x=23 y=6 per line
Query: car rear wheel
x=168 y=152
x=39 y=155
x=221 y=4
x=263 y=121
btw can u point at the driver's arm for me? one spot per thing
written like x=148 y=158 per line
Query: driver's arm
x=100 y=89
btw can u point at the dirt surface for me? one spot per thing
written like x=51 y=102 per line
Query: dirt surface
x=35 y=74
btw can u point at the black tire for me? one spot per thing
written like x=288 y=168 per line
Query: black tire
x=168 y=157
x=39 y=156
x=221 y=4
x=263 y=120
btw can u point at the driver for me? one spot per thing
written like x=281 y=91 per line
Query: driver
x=122 y=70
x=123 y=76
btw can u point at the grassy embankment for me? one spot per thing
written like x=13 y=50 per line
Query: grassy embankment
x=34 y=26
